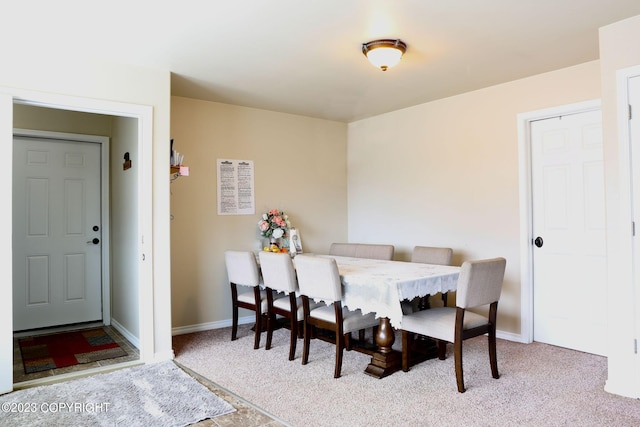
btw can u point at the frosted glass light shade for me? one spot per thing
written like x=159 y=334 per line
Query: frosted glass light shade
x=385 y=53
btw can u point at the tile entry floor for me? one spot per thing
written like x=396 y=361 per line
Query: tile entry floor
x=20 y=376
x=246 y=415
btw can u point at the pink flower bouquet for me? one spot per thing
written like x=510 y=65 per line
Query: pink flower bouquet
x=274 y=224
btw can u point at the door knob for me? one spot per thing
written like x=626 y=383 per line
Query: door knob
x=95 y=241
x=538 y=242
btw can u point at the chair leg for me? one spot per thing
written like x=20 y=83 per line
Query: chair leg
x=306 y=343
x=457 y=352
x=271 y=319
x=270 y=322
x=234 y=324
x=407 y=338
x=293 y=339
x=300 y=329
x=340 y=344
x=442 y=349
x=256 y=339
x=493 y=359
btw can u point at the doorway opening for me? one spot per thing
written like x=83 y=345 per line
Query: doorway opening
x=129 y=126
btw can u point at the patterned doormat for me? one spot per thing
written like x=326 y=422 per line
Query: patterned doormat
x=40 y=353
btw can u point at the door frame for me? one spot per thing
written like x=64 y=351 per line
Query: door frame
x=524 y=121
x=104 y=202
x=623 y=314
x=145 y=255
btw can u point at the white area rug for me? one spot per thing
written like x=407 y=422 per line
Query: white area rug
x=159 y=394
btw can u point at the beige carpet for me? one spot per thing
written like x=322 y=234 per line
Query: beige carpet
x=540 y=385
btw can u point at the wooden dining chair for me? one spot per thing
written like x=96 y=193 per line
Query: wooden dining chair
x=242 y=271
x=479 y=284
x=428 y=255
x=279 y=275
x=319 y=279
x=362 y=250
x=432 y=255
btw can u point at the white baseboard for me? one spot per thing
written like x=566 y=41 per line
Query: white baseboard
x=509 y=336
x=135 y=341
x=164 y=355
x=201 y=327
x=623 y=388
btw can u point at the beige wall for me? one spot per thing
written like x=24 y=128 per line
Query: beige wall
x=441 y=173
x=125 y=308
x=300 y=167
x=619 y=50
x=445 y=173
x=47 y=119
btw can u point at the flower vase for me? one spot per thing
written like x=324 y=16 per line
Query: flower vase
x=274 y=241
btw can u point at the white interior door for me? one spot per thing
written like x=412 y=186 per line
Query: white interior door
x=57 y=271
x=569 y=260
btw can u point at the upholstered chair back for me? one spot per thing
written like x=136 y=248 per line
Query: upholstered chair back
x=432 y=255
x=362 y=250
x=242 y=268
x=480 y=282
x=278 y=272
x=343 y=249
x=318 y=278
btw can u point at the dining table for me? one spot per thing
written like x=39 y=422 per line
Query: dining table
x=379 y=286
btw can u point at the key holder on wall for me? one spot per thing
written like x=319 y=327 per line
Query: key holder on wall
x=175 y=164
x=127 y=162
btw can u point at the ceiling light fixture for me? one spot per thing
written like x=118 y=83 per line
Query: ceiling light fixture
x=384 y=53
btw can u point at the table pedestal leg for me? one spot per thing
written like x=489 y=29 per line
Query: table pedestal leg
x=385 y=360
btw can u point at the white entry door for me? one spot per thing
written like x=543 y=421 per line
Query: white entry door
x=57 y=276
x=569 y=257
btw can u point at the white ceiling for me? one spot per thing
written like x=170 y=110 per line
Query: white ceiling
x=304 y=57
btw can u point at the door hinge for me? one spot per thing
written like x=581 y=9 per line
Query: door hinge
x=630 y=112
x=635 y=346
x=633 y=228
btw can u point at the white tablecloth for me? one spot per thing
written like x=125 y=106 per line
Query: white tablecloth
x=378 y=286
